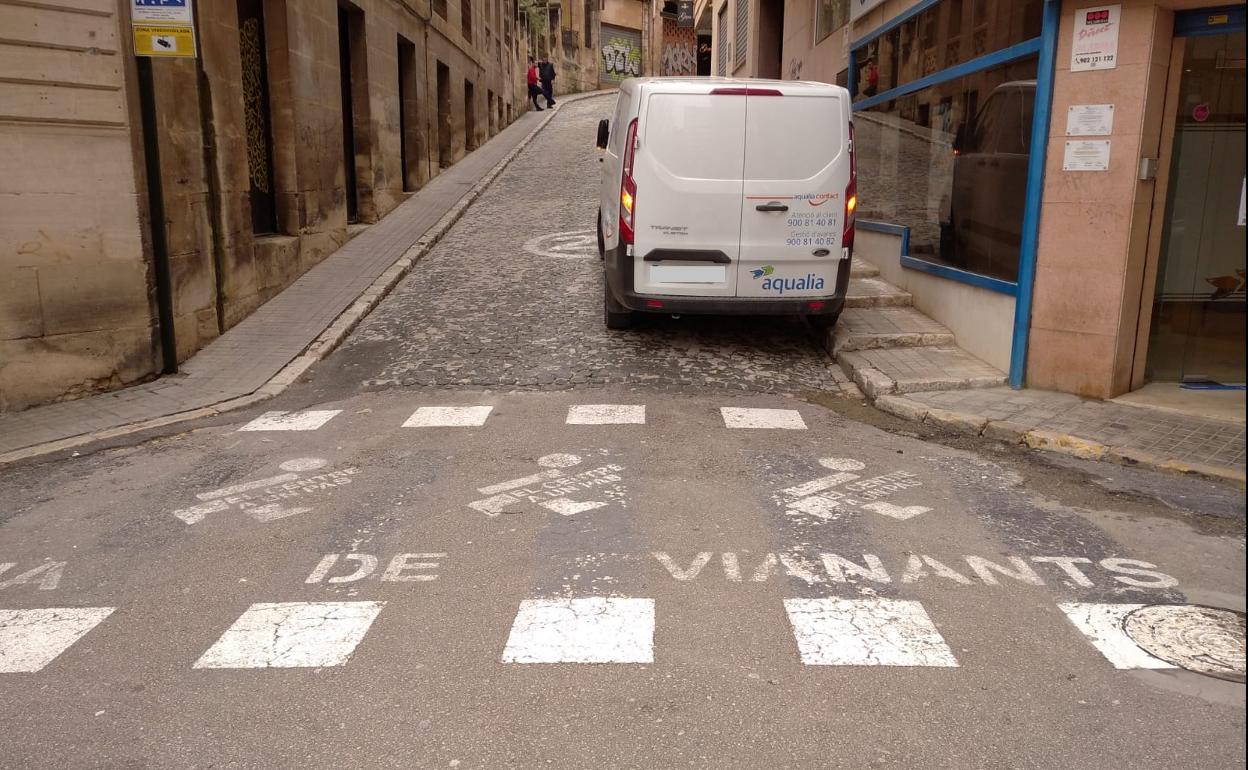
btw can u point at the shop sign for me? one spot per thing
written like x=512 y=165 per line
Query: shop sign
x=163 y=28
x=684 y=14
x=1086 y=155
x=1095 y=44
x=1090 y=120
x=859 y=8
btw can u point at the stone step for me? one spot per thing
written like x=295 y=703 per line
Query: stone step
x=870 y=328
x=916 y=370
x=860 y=268
x=873 y=292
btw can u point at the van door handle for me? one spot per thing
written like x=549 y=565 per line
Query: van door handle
x=771 y=207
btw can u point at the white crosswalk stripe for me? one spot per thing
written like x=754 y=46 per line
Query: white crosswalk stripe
x=31 y=639
x=866 y=632
x=783 y=419
x=583 y=630
x=1102 y=625
x=309 y=420
x=448 y=417
x=292 y=635
x=606 y=414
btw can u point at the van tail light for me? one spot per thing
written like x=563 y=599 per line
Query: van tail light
x=851 y=197
x=746 y=92
x=628 y=187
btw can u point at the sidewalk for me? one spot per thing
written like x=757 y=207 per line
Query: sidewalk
x=908 y=365
x=267 y=351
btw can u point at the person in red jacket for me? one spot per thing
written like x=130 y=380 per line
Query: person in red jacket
x=534 y=89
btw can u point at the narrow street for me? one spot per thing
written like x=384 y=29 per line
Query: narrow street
x=486 y=532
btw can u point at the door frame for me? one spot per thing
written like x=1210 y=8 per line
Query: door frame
x=1186 y=24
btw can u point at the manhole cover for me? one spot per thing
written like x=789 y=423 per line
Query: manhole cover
x=1207 y=640
x=574 y=244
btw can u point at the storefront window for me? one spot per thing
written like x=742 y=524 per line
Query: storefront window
x=943 y=36
x=830 y=15
x=950 y=162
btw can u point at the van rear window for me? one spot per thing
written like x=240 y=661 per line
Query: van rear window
x=793 y=137
x=696 y=136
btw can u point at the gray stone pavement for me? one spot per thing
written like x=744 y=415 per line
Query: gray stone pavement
x=248 y=356
x=1130 y=434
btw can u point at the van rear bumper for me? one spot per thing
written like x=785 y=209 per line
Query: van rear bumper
x=619 y=277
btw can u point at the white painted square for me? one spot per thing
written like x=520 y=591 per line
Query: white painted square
x=31 y=639
x=1102 y=625
x=785 y=419
x=292 y=635
x=586 y=630
x=310 y=420
x=448 y=417
x=866 y=632
x=607 y=414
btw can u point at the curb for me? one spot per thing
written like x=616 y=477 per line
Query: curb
x=339 y=328
x=1046 y=440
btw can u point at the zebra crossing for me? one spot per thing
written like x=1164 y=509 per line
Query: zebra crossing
x=592 y=629
x=749 y=418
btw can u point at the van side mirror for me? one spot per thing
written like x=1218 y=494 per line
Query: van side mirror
x=604 y=133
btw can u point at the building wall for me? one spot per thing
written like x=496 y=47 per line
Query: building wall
x=77 y=310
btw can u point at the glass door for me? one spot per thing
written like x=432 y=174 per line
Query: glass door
x=1198 y=319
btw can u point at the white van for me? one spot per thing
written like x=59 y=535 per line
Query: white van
x=727 y=196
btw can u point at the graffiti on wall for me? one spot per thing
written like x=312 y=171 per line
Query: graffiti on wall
x=621 y=54
x=795 y=69
x=679 y=59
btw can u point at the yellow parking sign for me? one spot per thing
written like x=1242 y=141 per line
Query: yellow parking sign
x=175 y=40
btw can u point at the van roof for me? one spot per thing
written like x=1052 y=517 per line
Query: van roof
x=705 y=84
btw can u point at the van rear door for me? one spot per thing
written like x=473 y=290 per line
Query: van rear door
x=687 y=169
x=797 y=168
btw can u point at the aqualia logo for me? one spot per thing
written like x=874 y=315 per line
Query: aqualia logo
x=810 y=282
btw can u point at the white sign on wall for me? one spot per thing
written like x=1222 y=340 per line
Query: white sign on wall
x=1090 y=120
x=1095 y=45
x=859 y=8
x=1086 y=155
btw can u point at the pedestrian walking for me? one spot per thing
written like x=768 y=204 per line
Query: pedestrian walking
x=534 y=90
x=546 y=73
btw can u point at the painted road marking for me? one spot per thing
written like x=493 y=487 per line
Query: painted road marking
x=585 y=630
x=866 y=632
x=606 y=414
x=448 y=417
x=31 y=639
x=821 y=499
x=310 y=420
x=551 y=488
x=292 y=635
x=264 y=499
x=785 y=419
x=1102 y=625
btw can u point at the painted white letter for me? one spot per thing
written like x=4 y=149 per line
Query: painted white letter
x=1127 y=567
x=367 y=565
x=323 y=567
x=915 y=571
x=1022 y=570
x=732 y=567
x=394 y=571
x=1067 y=565
x=695 y=567
x=837 y=566
x=53 y=569
x=798 y=569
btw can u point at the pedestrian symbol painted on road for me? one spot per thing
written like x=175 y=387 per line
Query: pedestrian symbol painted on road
x=830 y=496
x=555 y=488
x=268 y=499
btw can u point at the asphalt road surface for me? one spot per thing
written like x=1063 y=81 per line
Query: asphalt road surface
x=487 y=533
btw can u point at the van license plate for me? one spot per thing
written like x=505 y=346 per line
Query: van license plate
x=688 y=273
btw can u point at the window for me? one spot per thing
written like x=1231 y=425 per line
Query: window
x=721 y=49
x=439 y=7
x=465 y=18
x=742 y=22
x=589 y=23
x=830 y=15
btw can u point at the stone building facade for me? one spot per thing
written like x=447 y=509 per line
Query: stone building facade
x=300 y=122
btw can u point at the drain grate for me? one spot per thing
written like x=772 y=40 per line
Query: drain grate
x=1207 y=640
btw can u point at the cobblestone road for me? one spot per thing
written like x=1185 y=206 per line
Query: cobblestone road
x=482 y=310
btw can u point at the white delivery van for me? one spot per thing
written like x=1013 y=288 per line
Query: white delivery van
x=727 y=196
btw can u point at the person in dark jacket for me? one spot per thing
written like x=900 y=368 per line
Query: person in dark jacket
x=546 y=73
x=534 y=89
